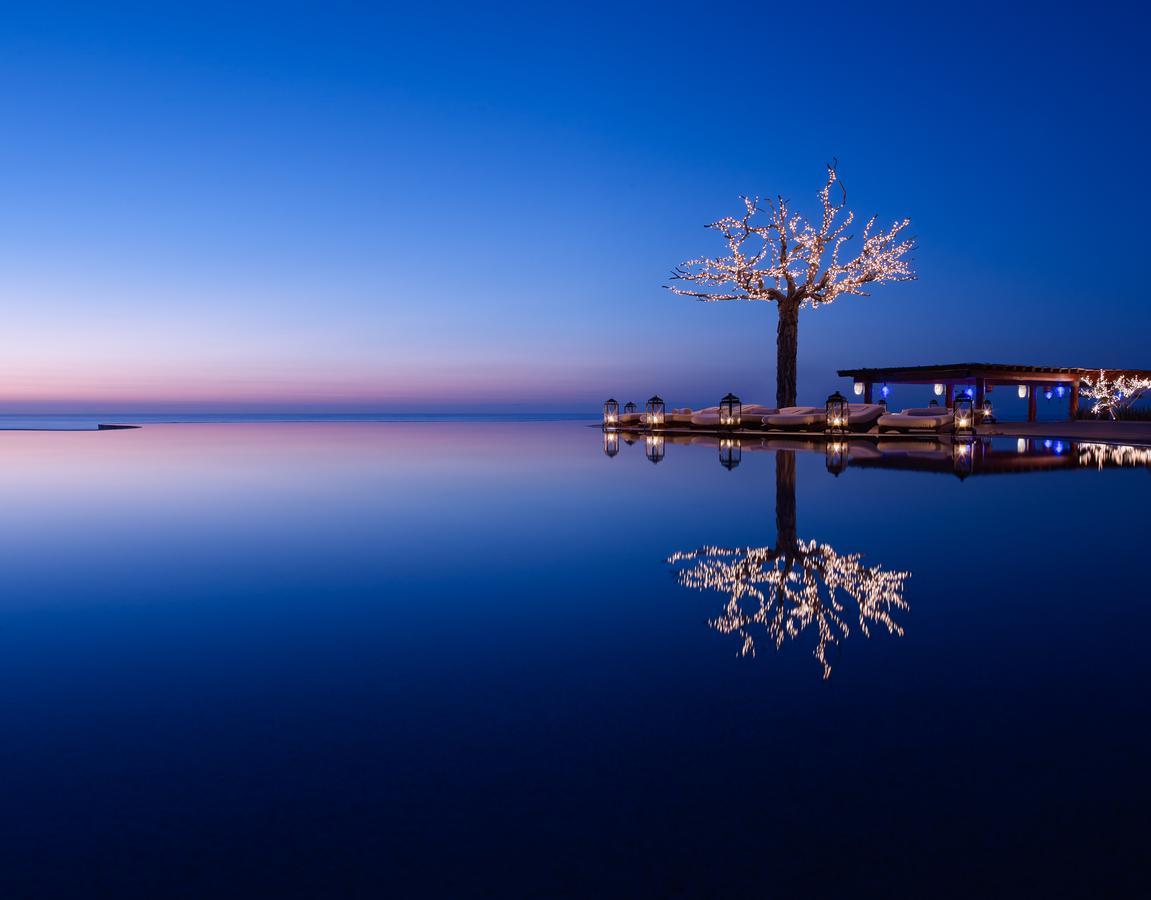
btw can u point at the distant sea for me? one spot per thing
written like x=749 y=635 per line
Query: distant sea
x=89 y=421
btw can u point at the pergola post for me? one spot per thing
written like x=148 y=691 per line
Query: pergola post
x=1073 y=401
x=1031 y=389
x=980 y=392
x=951 y=396
x=867 y=392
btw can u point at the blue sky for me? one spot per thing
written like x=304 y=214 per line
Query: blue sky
x=312 y=206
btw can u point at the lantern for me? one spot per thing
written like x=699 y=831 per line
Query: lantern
x=654 y=410
x=1047 y=394
x=1021 y=445
x=730 y=453
x=836 y=457
x=730 y=411
x=939 y=390
x=964 y=416
x=987 y=412
x=653 y=447
x=857 y=388
x=835 y=418
x=629 y=408
x=611 y=443
x=1022 y=390
x=1060 y=390
x=886 y=391
x=969 y=391
x=610 y=414
x=933 y=403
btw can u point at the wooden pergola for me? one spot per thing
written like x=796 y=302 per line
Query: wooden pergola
x=982 y=376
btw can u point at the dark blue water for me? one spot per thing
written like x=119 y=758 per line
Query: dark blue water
x=451 y=659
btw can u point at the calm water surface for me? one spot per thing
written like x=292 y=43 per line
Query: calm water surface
x=453 y=659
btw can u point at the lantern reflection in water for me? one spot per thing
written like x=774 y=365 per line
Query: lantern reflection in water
x=611 y=442
x=730 y=453
x=654 y=447
x=836 y=457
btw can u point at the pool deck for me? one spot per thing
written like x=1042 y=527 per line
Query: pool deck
x=1135 y=433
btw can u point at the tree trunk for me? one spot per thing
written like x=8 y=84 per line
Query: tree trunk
x=786 y=538
x=786 y=349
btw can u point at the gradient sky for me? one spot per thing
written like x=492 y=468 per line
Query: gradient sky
x=307 y=206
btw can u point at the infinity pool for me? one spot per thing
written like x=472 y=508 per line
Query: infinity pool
x=492 y=659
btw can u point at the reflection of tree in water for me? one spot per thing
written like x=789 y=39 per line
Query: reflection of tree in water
x=795 y=584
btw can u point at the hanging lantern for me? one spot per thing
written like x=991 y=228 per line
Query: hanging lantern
x=835 y=414
x=939 y=390
x=1060 y=391
x=1022 y=389
x=653 y=447
x=886 y=391
x=610 y=414
x=629 y=408
x=611 y=443
x=1021 y=445
x=857 y=388
x=730 y=411
x=836 y=457
x=964 y=416
x=1047 y=394
x=969 y=391
x=730 y=453
x=654 y=410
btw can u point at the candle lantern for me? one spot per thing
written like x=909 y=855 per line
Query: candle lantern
x=611 y=443
x=629 y=408
x=653 y=447
x=988 y=413
x=730 y=453
x=964 y=416
x=730 y=411
x=836 y=457
x=835 y=414
x=610 y=414
x=654 y=410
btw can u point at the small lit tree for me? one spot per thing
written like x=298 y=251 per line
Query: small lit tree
x=1112 y=395
x=779 y=256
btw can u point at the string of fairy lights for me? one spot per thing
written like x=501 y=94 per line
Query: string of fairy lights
x=785 y=258
x=1111 y=394
x=790 y=589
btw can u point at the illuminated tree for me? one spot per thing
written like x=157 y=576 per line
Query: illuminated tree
x=779 y=256
x=793 y=585
x=1113 y=395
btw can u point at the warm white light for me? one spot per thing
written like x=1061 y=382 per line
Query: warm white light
x=962 y=423
x=858 y=388
x=1022 y=392
x=939 y=390
x=1021 y=446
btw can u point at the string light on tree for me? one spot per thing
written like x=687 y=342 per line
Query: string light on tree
x=1112 y=394
x=778 y=256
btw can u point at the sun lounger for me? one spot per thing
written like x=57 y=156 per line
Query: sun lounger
x=863 y=416
x=918 y=418
x=796 y=418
